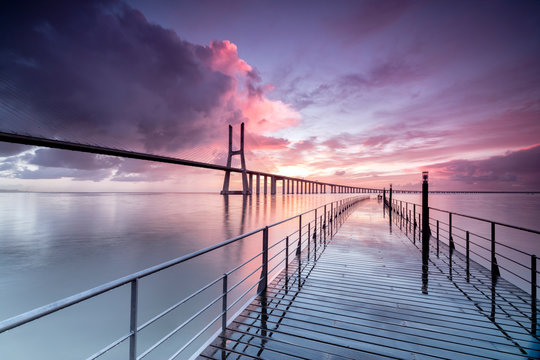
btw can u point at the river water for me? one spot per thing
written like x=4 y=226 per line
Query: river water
x=54 y=245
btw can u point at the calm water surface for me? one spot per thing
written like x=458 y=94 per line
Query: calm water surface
x=54 y=245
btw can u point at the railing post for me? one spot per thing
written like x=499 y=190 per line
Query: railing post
x=467 y=251
x=321 y=227
x=494 y=267
x=224 y=306
x=325 y=224
x=407 y=213
x=299 y=247
x=533 y=295
x=331 y=218
x=315 y=227
x=133 y=319
x=286 y=256
x=450 y=238
x=437 y=238
x=425 y=232
x=390 y=199
x=263 y=281
x=308 y=239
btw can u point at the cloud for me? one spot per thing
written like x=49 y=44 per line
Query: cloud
x=100 y=72
x=516 y=167
x=72 y=160
x=9 y=149
x=367 y=17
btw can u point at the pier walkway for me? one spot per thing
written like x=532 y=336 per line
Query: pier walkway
x=362 y=298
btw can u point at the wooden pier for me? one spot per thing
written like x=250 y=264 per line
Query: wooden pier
x=363 y=298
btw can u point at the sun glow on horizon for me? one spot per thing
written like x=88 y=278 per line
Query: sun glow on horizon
x=298 y=171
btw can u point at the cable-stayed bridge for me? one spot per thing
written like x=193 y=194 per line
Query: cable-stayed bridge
x=253 y=181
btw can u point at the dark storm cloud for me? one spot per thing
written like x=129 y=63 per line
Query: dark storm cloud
x=99 y=71
x=514 y=167
x=72 y=160
x=9 y=149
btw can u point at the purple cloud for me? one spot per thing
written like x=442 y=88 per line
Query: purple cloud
x=518 y=167
x=99 y=72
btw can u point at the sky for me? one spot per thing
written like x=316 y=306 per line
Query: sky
x=360 y=93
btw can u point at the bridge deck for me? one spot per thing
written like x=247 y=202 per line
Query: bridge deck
x=362 y=299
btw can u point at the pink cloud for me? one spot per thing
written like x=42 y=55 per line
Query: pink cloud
x=223 y=56
x=128 y=83
x=518 y=168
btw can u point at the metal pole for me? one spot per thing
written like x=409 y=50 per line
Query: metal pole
x=133 y=319
x=437 y=238
x=450 y=238
x=308 y=239
x=321 y=230
x=331 y=218
x=325 y=224
x=494 y=267
x=299 y=247
x=407 y=217
x=263 y=282
x=425 y=232
x=467 y=250
x=315 y=228
x=390 y=201
x=287 y=257
x=533 y=294
x=224 y=306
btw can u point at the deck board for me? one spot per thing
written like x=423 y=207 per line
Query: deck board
x=362 y=299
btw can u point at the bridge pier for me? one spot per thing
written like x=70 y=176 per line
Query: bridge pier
x=265 y=185
x=258 y=184
x=273 y=185
x=246 y=188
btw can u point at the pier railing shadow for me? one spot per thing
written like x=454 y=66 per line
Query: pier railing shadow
x=464 y=241
x=219 y=301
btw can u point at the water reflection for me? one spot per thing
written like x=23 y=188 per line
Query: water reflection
x=56 y=245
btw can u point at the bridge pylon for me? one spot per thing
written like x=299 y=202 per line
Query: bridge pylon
x=245 y=186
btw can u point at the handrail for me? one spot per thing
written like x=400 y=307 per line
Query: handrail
x=477 y=218
x=333 y=210
x=397 y=206
x=87 y=294
x=513 y=259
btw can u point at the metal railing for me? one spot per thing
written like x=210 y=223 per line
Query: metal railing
x=477 y=247
x=310 y=237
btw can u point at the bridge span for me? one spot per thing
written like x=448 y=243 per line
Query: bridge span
x=265 y=182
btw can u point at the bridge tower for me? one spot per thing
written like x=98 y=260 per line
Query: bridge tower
x=245 y=187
